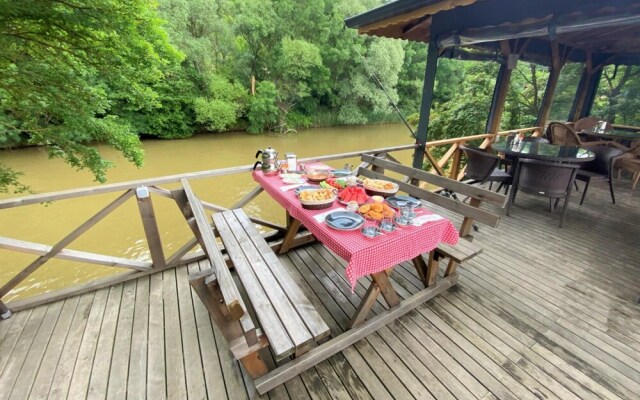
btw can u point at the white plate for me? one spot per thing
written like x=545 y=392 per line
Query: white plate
x=292 y=181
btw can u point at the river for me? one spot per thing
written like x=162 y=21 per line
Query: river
x=120 y=233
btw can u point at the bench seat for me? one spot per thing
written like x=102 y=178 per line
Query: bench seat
x=289 y=320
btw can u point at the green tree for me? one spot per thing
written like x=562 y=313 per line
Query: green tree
x=63 y=65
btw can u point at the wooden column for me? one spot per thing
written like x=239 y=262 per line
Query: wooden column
x=425 y=105
x=150 y=227
x=500 y=90
x=586 y=92
x=557 y=62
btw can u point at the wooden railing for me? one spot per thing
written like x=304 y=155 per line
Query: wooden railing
x=143 y=190
x=450 y=163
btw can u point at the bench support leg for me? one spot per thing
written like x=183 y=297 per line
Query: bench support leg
x=432 y=268
x=452 y=266
x=254 y=365
x=290 y=236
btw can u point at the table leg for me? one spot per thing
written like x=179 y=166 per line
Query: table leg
x=365 y=305
x=290 y=235
x=421 y=269
x=380 y=284
x=388 y=292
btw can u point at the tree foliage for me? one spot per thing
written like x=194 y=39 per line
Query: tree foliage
x=76 y=72
x=63 y=66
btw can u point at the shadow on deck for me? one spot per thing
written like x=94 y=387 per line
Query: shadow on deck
x=544 y=312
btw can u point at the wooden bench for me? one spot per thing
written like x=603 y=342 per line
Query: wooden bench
x=289 y=323
x=465 y=249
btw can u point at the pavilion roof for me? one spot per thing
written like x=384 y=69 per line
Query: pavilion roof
x=609 y=31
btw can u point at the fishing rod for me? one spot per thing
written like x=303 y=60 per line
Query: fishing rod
x=374 y=76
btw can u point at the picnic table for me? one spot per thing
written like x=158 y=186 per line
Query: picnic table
x=375 y=257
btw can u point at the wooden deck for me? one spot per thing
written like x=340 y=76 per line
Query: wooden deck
x=542 y=313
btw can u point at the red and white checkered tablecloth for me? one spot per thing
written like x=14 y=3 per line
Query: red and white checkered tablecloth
x=364 y=255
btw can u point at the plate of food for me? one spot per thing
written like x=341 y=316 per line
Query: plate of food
x=376 y=211
x=401 y=201
x=344 y=220
x=379 y=187
x=305 y=187
x=316 y=199
x=318 y=175
x=340 y=173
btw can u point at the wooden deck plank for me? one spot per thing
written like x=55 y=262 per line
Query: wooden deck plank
x=156 y=367
x=53 y=329
x=99 y=381
x=12 y=336
x=118 y=375
x=50 y=360
x=208 y=350
x=137 y=377
x=72 y=345
x=29 y=351
x=176 y=380
x=86 y=354
x=192 y=360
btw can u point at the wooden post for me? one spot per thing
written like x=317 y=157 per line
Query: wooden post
x=585 y=94
x=150 y=226
x=500 y=90
x=5 y=312
x=425 y=105
x=455 y=163
x=557 y=62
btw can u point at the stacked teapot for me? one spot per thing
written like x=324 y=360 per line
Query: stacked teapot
x=269 y=163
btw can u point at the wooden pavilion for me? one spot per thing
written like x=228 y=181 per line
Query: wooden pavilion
x=547 y=32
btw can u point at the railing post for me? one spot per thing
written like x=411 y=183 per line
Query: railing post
x=455 y=163
x=150 y=226
x=5 y=312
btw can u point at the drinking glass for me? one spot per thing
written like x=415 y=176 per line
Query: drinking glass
x=407 y=213
x=386 y=224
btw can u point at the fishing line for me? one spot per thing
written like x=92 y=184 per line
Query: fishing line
x=374 y=76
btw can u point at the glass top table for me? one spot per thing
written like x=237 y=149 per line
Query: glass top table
x=616 y=134
x=545 y=151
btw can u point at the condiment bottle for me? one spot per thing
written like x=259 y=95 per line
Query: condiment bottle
x=291 y=162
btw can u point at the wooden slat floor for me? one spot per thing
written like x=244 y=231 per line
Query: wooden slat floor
x=542 y=313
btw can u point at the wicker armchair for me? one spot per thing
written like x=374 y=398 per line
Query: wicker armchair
x=544 y=178
x=562 y=134
x=630 y=161
x=588 y=123
x=600 y=169
x=483 y=167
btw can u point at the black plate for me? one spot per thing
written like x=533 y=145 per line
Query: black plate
x=344 y=220
x=401 y=201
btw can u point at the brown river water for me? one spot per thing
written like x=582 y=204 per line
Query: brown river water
x=120 y=233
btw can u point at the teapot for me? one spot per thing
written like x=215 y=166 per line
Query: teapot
x=269 y=163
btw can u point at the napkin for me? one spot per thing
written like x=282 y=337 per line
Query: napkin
x=321 y=217
x=289 y=187
x=419 y=221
